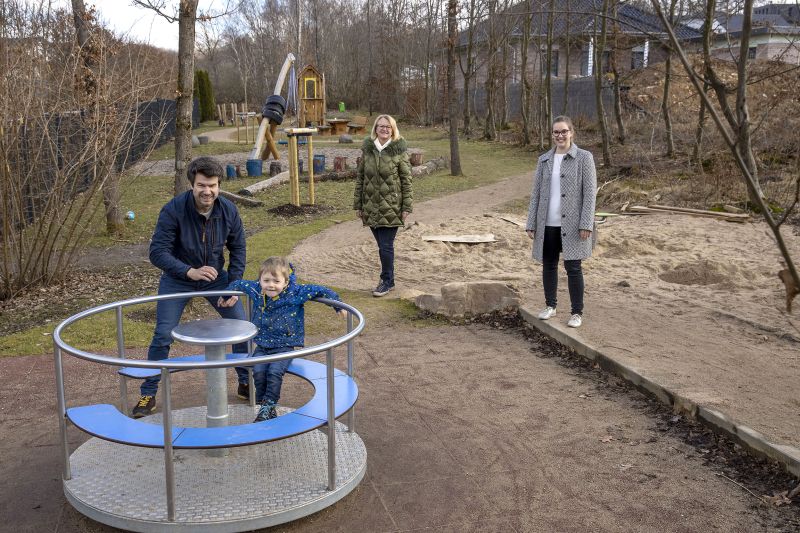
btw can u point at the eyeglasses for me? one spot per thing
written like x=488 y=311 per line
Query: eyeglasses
x=383 y=127
x=562 y=133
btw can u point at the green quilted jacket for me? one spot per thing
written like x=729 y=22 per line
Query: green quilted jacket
x=383 y=184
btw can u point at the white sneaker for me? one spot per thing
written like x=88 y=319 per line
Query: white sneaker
x=547 y=313
x=575 y=321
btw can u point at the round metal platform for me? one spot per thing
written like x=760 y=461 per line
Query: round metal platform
x=250 y=488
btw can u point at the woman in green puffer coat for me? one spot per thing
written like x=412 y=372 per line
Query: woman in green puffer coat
x=383 y=194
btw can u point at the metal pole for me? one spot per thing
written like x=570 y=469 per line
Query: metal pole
x=331 y=423
x=311 y=197
x=217 y=395
x=62 y=410
x=123 y=381
x=351 y=415
x=251 y=385
x=169 y=465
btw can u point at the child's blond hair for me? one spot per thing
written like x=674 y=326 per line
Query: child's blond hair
x=277 y=266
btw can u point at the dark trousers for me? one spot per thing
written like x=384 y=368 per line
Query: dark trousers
x=268 y=377
x=385 y=239
x=551 y=252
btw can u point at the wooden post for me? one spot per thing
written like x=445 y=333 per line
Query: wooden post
x=310 y=171
x=236 y=120
x=294 y=175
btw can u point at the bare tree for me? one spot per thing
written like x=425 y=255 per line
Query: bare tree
x=734 y=126
x=452 y=37
x=615 y=73
x=489 y=126
x=600 y=48
x=665 y=107
x=87 y=82
x=527 y=89
x=186 y=18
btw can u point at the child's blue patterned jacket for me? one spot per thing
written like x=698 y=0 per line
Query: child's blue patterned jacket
x=281 y=320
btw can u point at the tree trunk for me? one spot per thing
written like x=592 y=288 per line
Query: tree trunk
x=698 y=132
x=88 y=87
x=668 y=137
x=617 y=90
x=183 y=118
x=600 y=43
x=523 y=71
x=468 y=71
x=489 y=128
x=548 y=82
x=452 y=34
x=566 y=62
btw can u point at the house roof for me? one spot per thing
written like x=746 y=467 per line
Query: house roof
x=576 y=17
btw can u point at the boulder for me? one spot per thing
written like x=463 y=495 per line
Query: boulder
x=195 y=140
x=345 y=139
x=470 y=298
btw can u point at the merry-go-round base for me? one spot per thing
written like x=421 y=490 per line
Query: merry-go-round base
x=249 y=487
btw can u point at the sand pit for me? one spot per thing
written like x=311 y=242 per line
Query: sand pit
x=694 y=303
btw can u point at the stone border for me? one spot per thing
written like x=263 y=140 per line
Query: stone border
x=788 y=456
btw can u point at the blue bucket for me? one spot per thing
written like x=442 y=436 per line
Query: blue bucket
x=254 y=168
x=230 y=171
x=319 y=164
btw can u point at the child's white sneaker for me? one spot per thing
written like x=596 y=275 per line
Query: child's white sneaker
x=575 y=321
x=547 y=313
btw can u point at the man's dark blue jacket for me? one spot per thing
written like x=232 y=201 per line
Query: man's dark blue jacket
x=185 y=239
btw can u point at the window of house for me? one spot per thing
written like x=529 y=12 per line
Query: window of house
x=637 y=59
x=554 y=64
x=311 y=87
x=751 y=52
x=585 y=63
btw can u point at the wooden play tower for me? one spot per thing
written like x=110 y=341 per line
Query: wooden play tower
x=311 y=97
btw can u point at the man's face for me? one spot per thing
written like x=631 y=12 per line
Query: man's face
x=205 y=190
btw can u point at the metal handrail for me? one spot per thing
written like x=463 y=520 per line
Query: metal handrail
x=187 y=365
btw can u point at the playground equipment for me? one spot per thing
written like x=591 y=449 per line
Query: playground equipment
x=217 y=471
x=272 y=117
x=311 y=89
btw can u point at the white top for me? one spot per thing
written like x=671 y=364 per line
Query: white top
x=380 y=146
x=554 y=205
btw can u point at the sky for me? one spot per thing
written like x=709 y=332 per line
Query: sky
x=142 y=24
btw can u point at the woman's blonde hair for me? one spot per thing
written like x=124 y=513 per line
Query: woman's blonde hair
x=395 y=131
x=276 y=265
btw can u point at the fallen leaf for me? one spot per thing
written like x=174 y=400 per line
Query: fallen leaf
x=778 y=499
x=625 y=466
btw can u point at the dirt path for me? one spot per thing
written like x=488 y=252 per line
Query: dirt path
x=467 y=428
x=692 y=303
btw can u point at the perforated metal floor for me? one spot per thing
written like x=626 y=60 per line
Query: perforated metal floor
x=251 y=487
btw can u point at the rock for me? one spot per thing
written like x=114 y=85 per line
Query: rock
x=623 y=283
x=470 y=298
x=345 y=139
x=203 y=139
x=195 y=140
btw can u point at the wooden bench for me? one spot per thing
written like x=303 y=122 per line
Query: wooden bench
x=108 y=423
x=357 y=125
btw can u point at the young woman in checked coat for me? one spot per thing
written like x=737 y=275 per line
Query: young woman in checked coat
x=561 y=217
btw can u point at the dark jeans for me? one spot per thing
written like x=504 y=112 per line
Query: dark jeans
x=552 y=249
x=385 y=239
x=268 y=377
x=168 y=315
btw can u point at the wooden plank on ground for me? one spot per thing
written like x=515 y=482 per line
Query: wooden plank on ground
x=467 y=239
x=721 y=214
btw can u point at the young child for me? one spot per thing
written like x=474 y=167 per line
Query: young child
x=279 y=315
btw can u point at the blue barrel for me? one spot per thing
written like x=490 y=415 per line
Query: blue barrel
x=254 y=168
x=230 y=171
x=319 y=164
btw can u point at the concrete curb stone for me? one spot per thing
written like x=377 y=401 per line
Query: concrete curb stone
x=756 y=442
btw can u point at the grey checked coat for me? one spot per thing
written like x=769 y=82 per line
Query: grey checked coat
x=578 y=193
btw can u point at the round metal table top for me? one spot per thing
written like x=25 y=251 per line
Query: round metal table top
x=215 y=332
